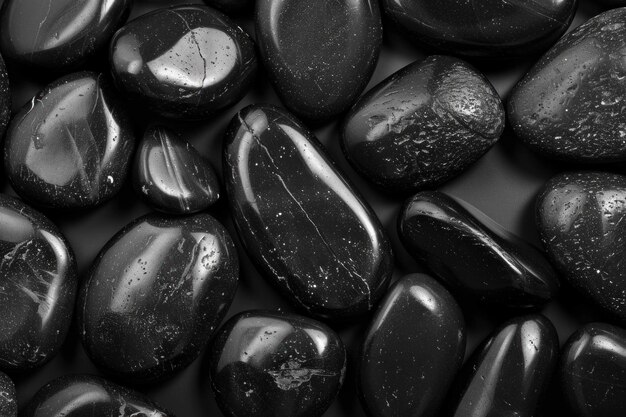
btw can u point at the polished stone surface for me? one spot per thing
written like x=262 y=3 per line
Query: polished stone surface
x=273 y=364
x=155 y=294
x=319 y=55
x=8 y=397
x=5 y=98
x=413 y=348
x=184 y=62
x=423 y=125
x=474 y=255
x=235 y=7
x=302 y=223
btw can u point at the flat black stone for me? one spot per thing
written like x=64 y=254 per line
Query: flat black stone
x=8 y=397
x=5 y=98
x=235 y=7
x=302 y=223
x=155 y=294
x=423 y=125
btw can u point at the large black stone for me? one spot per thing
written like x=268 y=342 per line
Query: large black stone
x=5 y=98
x=8 y=397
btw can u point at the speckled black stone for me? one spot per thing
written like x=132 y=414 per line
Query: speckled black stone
x=593 y=371
x=319 y=55
x=473 y=254
x=8 y=397
x=413 y=348
x=171 y=176
x=37 y=287
x=235 y=7
x=487 y=28
x=301 y=221
x=5 y=98
x=70 y=147
x=570 y=105
x=580 y=217
x=273 y=364
x=155 y=294
x=184 y=62
x=423 y=125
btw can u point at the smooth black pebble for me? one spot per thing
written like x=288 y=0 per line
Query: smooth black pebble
x=8 y=397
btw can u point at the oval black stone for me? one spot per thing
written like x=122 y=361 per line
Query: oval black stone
x=8 y=397
x=268 y=364
x=5 y=98
x=423 y=125
x=232 y=6
x=301 y=221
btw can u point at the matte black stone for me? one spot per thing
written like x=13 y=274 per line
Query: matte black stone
x=5 y=98
x=412 y=350
x=71 y=146
x=301 y=221
x=580 y=217
x=155 y=294
x=593 y=371
x=488 y=28
x=171 y=176
x=232 y=6
x=184 y=62
x=319 y=55
x=423 y=125
x=570 y=105
x=37 y=287
x=58 y=35
x=8 y=397
x=473 y=254
x=273 y=364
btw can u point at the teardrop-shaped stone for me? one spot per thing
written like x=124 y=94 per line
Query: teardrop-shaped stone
x=473 y=254
x=156 y=293
x=423 y=125
x=171 y=176
x=37 y=287
x=274 y=364
x=5 y=98
x=71 y=146
x=319 y=55
x=232 y=6
x=570 y=105
x=301 y=221
x=8 y=397
x=412 y=350
x=184 y=62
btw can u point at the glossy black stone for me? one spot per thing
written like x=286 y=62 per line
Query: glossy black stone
x=155 y=294
x=570 y=105
x=319 y=55
x=473 y=254
x=581 y=222
x=593 y=371
x=37 y=287
x=8 y=397
x=5 y=98
x=58 y=35
x=184 y=62
x=273 y=364
x=70 y=147
x=89 y=396
x=171 y=176
x=488 y=28
x=301 y=221
x=423 y=125
x=412 y=350
x=509 y=374
x=232 y=6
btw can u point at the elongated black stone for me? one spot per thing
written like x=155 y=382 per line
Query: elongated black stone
x=8 y=397
x=5 y=98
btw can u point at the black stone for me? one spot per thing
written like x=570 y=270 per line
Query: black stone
x=5 y=98
x=71 y=146
x=184 y=62
x=269 y=364
x=301 y=221
x=612 y=3
x=319 y=55
x=570 y=105
x=8 y=397
x=232 y=6
x=423 y=125
x=487 y=28
x=171 y=176
x=37 y=287
x=473 y=254
x=155 y=294
x=593 y=371
x=412 y=350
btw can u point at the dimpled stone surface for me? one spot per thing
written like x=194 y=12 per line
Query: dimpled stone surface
x=184 y=62
x=232 y=6
x=412 y=350
x=5 y=98
x=37 y=287
x=319 y=55
x=570 y=105
x=8 y=397
x=273 y=364
x=580 y=217
x=423 y=125
x=156 y=293
x=473 y=254
x=301 y=221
